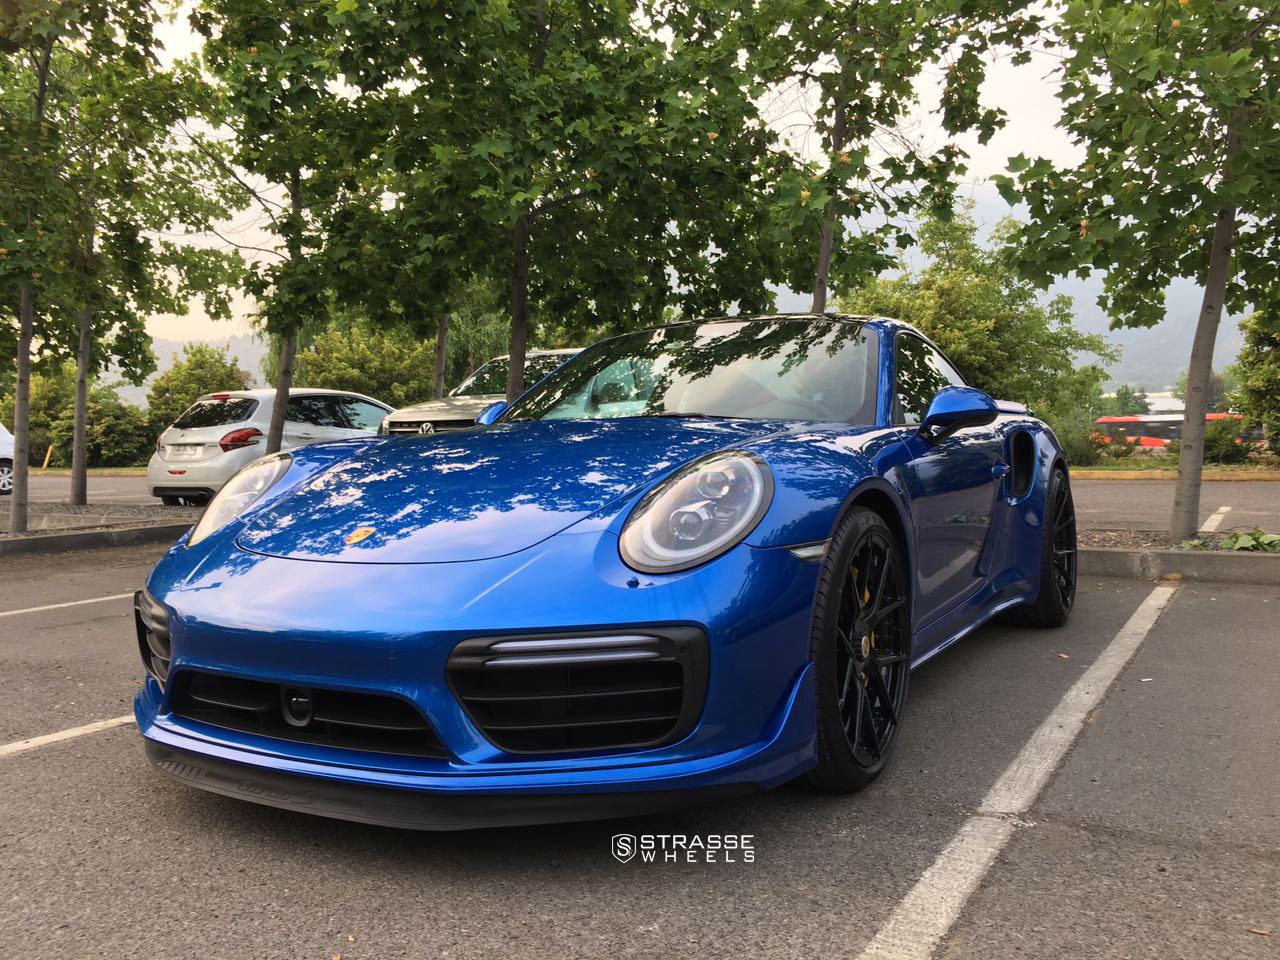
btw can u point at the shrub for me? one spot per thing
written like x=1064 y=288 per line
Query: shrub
x=116 y=434
x=1224 y=442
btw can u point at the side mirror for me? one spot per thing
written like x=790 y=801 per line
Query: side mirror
x=491 y=413
x=955 y=408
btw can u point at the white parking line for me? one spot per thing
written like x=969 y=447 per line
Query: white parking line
x=34 y=743
x=1215 y=520
x=59 y=606
x=923 y=917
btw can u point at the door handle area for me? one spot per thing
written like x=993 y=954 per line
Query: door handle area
x=1000 y=470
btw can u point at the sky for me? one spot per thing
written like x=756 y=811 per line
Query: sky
x=1025 y=93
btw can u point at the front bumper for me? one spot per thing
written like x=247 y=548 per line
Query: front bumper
x=390 y=629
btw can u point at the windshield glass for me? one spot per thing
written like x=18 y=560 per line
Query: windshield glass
x=755 y=369
x=491 y=378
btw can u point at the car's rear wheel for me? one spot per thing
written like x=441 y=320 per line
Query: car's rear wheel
x=171 y=501
x=6 y=477
x=861 y=650
x=1052 y=605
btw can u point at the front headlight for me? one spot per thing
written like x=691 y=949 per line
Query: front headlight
x=240 y=493
x=697 y=514
x=384 y=428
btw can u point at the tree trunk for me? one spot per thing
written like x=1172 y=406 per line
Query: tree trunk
x=442 y=353
x=79 y=439
x=1185 y=521
x=519 y=307
x=22 y=409
x=284 y=380
x=26 y=330
x=1186 y=495
x=289 y=341
x=827 y=241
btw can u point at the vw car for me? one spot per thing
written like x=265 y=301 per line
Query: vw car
x=221 y=433
x=696 y=561
x=472 y=396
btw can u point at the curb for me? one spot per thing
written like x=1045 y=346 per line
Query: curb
x=87 y=539
x=1215 y=475
x=1181 y=564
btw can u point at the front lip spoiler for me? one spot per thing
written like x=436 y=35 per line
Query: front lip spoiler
x=412 y=809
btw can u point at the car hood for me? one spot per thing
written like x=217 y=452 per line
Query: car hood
x=479 y=493
x=448 y=407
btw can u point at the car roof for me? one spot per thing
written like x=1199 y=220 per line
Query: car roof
x=269 y=393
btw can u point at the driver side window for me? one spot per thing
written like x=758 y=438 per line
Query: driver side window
x=919 y=373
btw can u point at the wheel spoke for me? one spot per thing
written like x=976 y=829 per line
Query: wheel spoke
x=870 y=717
x=879 y=615
x=844 y=688
x=889 y=660
x=882 y=692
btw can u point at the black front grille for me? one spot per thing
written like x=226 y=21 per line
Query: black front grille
x=438 y=426
x=331 y=718
x=590 y=691
x=151 y=621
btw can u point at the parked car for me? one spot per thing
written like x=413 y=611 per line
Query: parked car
x=6 y=461
x=694 y=562
x=482 y=389
x=222 y=432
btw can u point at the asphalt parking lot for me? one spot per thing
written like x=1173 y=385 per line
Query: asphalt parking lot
x=1157 y=836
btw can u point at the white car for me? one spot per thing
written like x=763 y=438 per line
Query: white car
x=6 y=461
x=469 y=399
x=222 y=432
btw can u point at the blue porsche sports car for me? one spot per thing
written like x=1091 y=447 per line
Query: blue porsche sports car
x=694 y=561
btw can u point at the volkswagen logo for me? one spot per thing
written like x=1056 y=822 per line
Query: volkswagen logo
x=427 y=427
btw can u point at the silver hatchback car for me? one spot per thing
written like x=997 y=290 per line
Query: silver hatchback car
x=222 y=432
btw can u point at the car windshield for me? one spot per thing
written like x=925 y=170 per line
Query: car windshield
x=216 y=412
x=754 y=369
x=491 y=378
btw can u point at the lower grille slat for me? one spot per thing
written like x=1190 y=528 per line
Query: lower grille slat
x=593 y=691
x=373 y=723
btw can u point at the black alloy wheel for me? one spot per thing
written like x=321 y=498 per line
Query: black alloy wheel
x=862 y=649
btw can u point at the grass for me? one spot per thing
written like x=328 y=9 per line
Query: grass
x=1128 y=464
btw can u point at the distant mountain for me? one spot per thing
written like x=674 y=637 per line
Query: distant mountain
x=247 y=350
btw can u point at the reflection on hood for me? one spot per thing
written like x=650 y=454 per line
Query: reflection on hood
x=481 y=493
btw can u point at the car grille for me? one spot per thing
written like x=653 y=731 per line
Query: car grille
x=332 y=718
x=151 y=621
x=439 y=426
x=596 y=691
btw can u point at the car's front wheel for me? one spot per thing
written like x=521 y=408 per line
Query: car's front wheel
x=6 y=477
x=861 y=650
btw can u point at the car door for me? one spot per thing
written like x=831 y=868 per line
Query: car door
x=953 y=483
x=363 y=416
x=311 y=418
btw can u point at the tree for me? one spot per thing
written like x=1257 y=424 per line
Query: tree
x=860 y=66
x=1125 y=402
x=599 y=168
x=1218 y=390
x=1174 y=110
x=203 y=368
x=390 y=364
x=990 y=323
x=1258 y=371
x=33 y=197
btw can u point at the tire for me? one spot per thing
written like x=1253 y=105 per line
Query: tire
x=171 y=501
x=861 y=631
x=1057 y=594
x=6 y=477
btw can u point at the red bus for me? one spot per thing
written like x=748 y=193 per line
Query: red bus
x=1157 y=429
